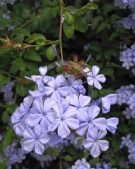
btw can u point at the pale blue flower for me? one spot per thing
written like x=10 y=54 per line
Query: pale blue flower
x=75 y=85
x=112 y=124
x=57 y=87
x=88 y=120
x=94 y=143
x=93 y=78
x=34 y=139
x=107 y=101
x=64 y=121
x=81 y=164
x=19 y=117
x=80 y=102
x=41 y=113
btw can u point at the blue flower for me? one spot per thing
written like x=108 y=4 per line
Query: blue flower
x=93 y=78
x=34 y=139
x=64 y=121
x=107 y=101
x=41 y=113
x=94 y=143
x=112 y=124
x=88 y=120
x=81 y=164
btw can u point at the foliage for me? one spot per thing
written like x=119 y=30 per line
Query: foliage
x=30 y=37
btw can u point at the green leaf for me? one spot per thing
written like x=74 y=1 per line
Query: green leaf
x=68 y=30
x=68 y=18
x=32 y=55
x=37 y=38
x=21 y=90
x=5 y=117
x=54 y=151
x=4 y=79
x=17 y=65
x=50 y=54
x=4 y=23
x=3 y=164
x=68 y=158
x=8 y=137
x=20 y=34
x=80 y=24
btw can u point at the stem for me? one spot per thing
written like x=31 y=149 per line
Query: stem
x=60 y=164
x=61 y=25
x=6 y=73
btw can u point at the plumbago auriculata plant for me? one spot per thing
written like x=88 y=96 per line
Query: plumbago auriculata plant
x=59 y=111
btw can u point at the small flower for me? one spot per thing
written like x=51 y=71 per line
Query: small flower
x=107 y=101
x=88 y=120
x=93 y=78
x=23 y=110
x=75 y=85
x=41 y=113
x=64 y=121
x=79 y=102
x=112 y=124
x=57 y=87
x=34 y=140
x=81 y=164
x=94 y=142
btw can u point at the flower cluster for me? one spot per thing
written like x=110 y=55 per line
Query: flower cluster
x=128 y=22
x=130 y=144
x=7 y=91
x=81 y=164
x=13 y=154
x=104 y=165
x=127 y=57
x=126 y=95
x=3 y=3
x=59 y=110
x=125 y=3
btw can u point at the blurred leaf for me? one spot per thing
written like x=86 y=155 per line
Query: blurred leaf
x=4 y=79
x=21 y=90
x=3 y=164
x=32 y=55
x=68 y=30
x=80 y=24
x=68 y=158
x=8 y=137
x=5 y=117
x=68 y=18
x=50 y=54
x=36 y=38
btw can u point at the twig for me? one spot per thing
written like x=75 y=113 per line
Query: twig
x=61 y=25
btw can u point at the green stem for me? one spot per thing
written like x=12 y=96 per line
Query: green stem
x=60 y=31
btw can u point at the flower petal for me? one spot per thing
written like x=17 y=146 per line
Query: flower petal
x=103 y=144
x=100 y=123
x=93 y=111
x=95 y=150
x=44 y=138
x=39 y=148
x=43 y=70
x=95 y=70
x=63 y=130
x=28 y=144
x=72 y=123
x=82 y=115
x=101 y=78
x=88 y=143
x=97 y=84
x=84 y=100
x=34 y=118
x=82 y=129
